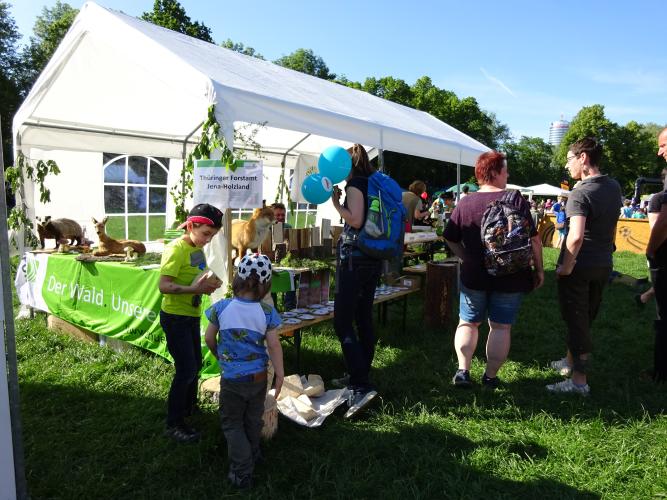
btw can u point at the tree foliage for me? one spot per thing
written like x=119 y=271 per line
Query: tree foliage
x=9 y=64
x=49 y=29
x=629 y=151
x=171 y=15
x=530 y=162
x=306 y=61
x=242 y=49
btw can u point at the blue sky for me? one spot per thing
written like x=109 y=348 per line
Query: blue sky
x=529 y=62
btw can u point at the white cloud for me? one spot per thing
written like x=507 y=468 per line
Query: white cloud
x=497 y=81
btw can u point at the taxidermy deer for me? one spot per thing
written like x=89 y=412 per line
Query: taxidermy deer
x=249 y=234
x=60 y=229
x=108 y=245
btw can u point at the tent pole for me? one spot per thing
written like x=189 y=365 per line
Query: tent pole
x=9 y=339
x=381 y=160
x=282 y=166
x=131 y=135
x=185 y=149
x=458 y=177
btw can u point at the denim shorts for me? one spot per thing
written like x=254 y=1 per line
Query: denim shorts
x=502 y=307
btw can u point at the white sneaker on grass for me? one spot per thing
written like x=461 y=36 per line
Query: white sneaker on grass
x=357 y=400
x=567 y=386
x=562 y=367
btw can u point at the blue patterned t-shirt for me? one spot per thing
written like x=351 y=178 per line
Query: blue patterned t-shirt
x=242 y=326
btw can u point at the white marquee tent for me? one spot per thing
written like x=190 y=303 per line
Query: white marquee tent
x=117 y=83
x=122 y=85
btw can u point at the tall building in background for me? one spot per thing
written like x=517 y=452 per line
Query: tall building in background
x=557 y=131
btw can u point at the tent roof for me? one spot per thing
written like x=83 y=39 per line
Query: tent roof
x=517 y=187
x=120 y=84
x=547 y=190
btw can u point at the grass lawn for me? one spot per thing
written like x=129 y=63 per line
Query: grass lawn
x=93 y=419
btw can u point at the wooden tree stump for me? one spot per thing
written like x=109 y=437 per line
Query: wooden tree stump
x=293 y=238
x=280 y=251
x=327 y=248
x=440 y=293
x=266 y=247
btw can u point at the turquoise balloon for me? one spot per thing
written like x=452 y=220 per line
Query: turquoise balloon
x=335 y=163
x=316 y=188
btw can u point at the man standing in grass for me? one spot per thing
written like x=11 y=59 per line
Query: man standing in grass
x=656 y=253
x=585 y=260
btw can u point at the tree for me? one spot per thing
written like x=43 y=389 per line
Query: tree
x=9 y=64
x=629 y=151
x=49 y=29
x=305 y=61
x=171 y=15
x=242 y=49
x=530 y=162
x=392 y=89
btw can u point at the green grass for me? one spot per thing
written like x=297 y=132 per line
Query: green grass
x=115 y=227
x=93 y=418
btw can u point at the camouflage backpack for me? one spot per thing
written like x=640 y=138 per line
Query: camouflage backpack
x=505 y=232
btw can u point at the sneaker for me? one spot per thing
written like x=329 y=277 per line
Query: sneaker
x=359 y=399
x=182 y=433
x=341 y=383
x=241 y=482
x=562 y=367
x=491 y=383
x=567 y=386
x=462 y=379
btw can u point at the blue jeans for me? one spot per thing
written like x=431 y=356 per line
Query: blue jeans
x=353 y=303
x=184 y=345
x=501 y=307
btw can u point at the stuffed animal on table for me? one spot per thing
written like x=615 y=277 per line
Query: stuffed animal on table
x=250 y=234
x=60 y=229
x=109 y=245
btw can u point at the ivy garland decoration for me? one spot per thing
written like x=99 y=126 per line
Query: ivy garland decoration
x=211 y=140
x=18 y=216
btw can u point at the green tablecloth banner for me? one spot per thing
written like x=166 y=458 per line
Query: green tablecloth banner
x=282 y=281
x=107 y=298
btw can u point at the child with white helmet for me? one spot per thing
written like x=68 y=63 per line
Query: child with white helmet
x=236 y=336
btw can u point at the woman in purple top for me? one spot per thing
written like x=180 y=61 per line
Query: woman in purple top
x=482 y=295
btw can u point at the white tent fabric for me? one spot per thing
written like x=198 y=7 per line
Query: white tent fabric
x=117 y=83
x=517 y=187
x=547 y=190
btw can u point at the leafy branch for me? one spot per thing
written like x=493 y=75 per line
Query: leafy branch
x=283 y=188
x=18 y=216
x=314 y=265
x=211 y=139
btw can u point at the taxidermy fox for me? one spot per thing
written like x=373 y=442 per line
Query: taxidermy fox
x=251 y=233
x=109 y=245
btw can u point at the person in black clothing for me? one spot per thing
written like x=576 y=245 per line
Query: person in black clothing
x=356 y=278
x=585 y=260
x=656 y=253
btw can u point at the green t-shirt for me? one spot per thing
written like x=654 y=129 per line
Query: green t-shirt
x=184 y=263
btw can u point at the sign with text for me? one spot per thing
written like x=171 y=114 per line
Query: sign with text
x=240 y=187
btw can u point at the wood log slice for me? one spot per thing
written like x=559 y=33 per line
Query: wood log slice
x=440 y=293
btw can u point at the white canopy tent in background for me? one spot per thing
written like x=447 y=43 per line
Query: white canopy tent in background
x=120 y=84
x=547 y=190
x=523 y=190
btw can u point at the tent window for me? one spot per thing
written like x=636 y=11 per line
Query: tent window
x=135 y=196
